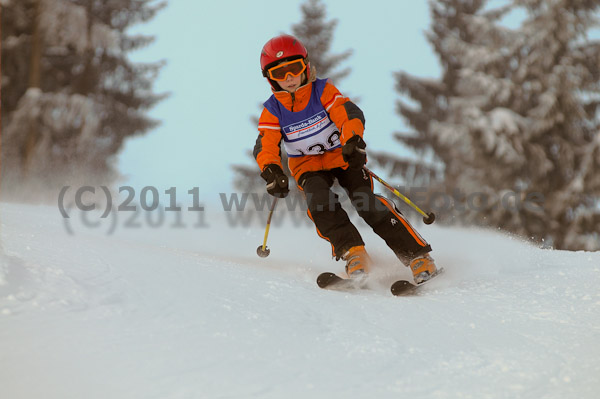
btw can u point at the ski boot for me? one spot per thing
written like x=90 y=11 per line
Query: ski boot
x=357 y=262
x=423 y=268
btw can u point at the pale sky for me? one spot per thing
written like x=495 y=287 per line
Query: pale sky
x=213 y=73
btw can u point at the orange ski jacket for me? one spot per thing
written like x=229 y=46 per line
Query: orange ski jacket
x=347 y=117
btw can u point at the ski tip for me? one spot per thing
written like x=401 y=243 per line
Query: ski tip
x=326 y=279
x=401 y=287
x=405 y=287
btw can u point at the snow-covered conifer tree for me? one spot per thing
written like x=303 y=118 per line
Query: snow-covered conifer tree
x=70 y=94
x=514 y=119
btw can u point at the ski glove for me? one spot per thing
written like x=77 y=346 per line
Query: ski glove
x=354 y=152
x=277 y=181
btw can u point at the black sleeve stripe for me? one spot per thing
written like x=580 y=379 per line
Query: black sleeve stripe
x=257 y=146
x=354 y=112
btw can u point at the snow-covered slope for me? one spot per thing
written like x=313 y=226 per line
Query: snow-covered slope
x=194 y=313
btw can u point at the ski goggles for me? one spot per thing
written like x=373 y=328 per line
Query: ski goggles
x=279 y=72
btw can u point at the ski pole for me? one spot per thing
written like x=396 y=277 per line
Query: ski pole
x=428 y=218
x=262 y=250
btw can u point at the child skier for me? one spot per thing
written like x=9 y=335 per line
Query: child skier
x=322 y=133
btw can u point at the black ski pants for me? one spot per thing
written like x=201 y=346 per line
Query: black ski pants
x=334 y=225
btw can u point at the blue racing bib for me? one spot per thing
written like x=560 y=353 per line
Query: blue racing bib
x=306 y=132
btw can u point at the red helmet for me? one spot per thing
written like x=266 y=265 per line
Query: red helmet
x=283 y=47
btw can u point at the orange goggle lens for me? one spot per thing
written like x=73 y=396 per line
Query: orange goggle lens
x=280 y=72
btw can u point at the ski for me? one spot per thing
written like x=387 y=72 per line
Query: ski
x=332 y=281
x=405 y=287
x=329 y=280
